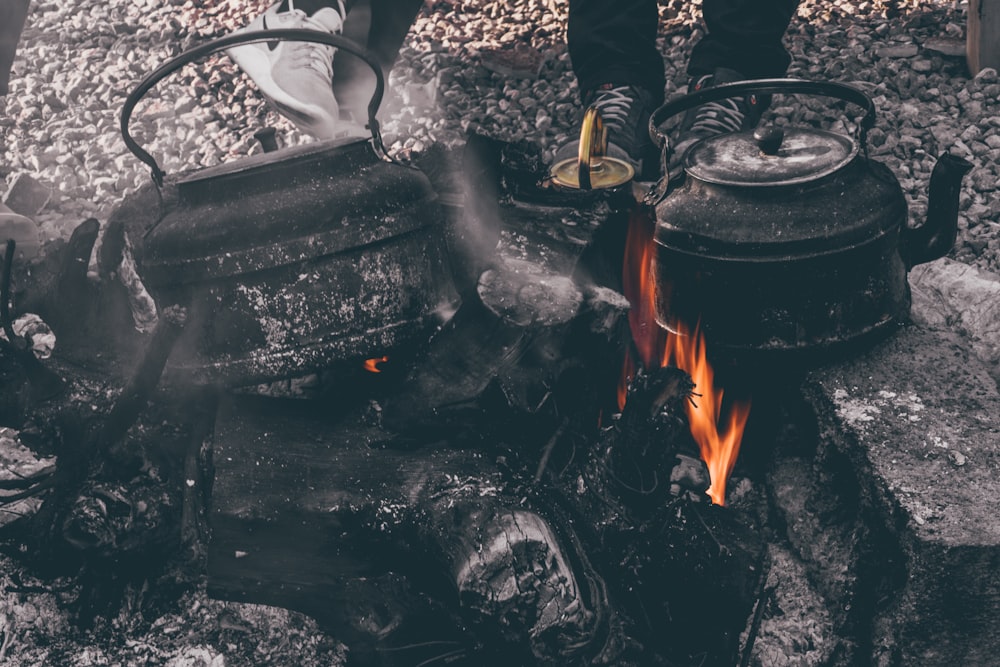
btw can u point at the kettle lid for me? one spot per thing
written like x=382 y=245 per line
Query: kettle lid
x=769 y=156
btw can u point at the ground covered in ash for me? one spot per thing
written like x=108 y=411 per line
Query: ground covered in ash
x=59 y=125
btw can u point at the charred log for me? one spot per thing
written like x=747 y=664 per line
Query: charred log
x=135 y=396
x=443 y=519
x=685 y=573
x=42 y=383
x=111 y=520
x=112 y=503
x=642 y=448
x=59 y=290
x=575 y=566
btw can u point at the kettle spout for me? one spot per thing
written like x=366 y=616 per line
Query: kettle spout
x=937 y=235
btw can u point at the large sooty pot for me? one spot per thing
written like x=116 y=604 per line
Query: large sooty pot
x=791 y=238
x=294 y=258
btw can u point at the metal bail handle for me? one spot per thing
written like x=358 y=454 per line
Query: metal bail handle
x=222 y=43
x=592 y=169
x=593 y=143
x=839 y=91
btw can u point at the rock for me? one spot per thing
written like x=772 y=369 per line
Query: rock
x=937 y=530
x=951 y=47
x=984 y=181
x=22 y=230
x=27 y=196
x=898 y=51
x=985 y=76
x=520 y=61
x=197 y=656
x=965 y=299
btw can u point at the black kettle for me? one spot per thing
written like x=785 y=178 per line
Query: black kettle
x=791 y=238
x=290 y=259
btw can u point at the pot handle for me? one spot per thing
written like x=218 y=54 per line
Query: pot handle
x=222 y=43
x=936 y=236
x=593 y=143
x=761 y=87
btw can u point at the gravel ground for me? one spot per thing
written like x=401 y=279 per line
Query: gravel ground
x=79 y=59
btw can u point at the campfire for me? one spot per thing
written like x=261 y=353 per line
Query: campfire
x=539 y=475
x=474 y=462
x=717 y=433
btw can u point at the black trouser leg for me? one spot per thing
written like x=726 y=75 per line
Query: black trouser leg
x=614 y=41
x=381 y=27
x=391 y=21
x=745 y=36
x=12 y=16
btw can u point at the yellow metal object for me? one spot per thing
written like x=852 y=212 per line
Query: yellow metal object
x=592 y=169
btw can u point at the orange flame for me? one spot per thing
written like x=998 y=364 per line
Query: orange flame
x=684 y=349
x=719 y=448
x=371 y=365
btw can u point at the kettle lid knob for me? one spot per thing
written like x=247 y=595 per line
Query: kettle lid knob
x=769 y=139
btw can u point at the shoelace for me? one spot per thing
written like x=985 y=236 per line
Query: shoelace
x=717 y=117
x=614 y=104
x=317 y=57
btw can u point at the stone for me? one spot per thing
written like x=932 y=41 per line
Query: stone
x=952 y=294
x=27 y=196
x=951 y=47
x=892 y=415
x=802 y=634
x=986 y=75
x=898 y=51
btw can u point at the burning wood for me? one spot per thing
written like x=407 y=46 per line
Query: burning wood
x=717 y=433
x=483 y=462
x=643 y=489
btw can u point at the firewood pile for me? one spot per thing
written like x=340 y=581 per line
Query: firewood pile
x=482 y=486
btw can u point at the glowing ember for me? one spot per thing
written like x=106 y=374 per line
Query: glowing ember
x=718 y=435
x=371 y=365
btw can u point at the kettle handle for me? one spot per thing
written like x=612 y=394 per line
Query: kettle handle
x=593 y=143
x=723 y=91
x=222 y=43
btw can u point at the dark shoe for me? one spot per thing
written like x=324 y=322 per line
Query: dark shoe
x=625 y=112
x=735 y=114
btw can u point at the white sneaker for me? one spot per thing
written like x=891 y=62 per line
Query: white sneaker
x=297 y=77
